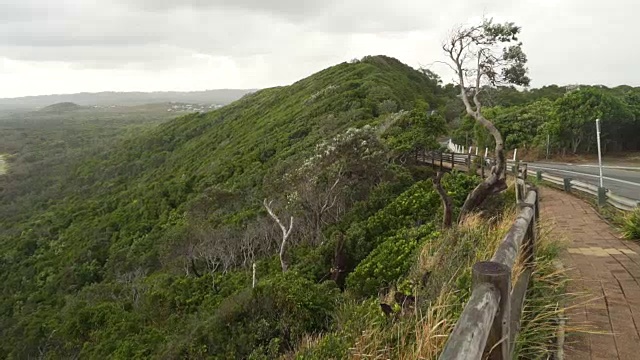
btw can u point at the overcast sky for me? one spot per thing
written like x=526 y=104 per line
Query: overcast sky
x=66 y=46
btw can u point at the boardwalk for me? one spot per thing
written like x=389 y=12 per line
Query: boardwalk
x=605 y=269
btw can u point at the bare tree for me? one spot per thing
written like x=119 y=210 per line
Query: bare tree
x=285 y=232
x=322 y=201
x=342 y=170
x=248 y=246
x=190 y=259
x=134 y=280
x=447 y=204
x=486 y=55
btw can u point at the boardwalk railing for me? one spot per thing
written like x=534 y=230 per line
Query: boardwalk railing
x=490 y=321
x=468 y=161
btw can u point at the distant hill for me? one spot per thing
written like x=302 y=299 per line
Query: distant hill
x=61 y=107
x=218 y=97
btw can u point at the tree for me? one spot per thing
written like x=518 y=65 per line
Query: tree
x=414 y=132
x=577 y=111
x=519 y=125
x=486 y=55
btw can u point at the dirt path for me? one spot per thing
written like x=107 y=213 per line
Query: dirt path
x=606 y=271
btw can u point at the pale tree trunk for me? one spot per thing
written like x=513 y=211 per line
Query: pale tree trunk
x=285 y=233
x=496 y=181
x=575 y=143
x=253 y=282
x=447 y=204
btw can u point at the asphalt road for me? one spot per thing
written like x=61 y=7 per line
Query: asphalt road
x=620 y=180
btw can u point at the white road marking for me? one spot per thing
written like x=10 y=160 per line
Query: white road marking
x=613 y=167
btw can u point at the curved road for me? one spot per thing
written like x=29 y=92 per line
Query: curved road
x=624 y=181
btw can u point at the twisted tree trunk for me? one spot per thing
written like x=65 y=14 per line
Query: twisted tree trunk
x=447 y=204
x=496 y=181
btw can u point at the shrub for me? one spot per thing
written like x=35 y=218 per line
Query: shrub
x=389 y=262
x=418 y=205
x=269 y=319
x=458 y=185
x=352 y=318
x=631 y=225
x=331 y=346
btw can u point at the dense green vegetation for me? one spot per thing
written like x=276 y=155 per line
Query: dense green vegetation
x=564 y=115
x=42 y=147
x=143 y=248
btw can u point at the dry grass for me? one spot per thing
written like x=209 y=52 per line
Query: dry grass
x=419 y=336
x=631 y=225
x=422 y=335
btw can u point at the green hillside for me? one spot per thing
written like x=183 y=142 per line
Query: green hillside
x=145 y=250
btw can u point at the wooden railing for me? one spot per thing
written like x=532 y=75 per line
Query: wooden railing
x=490 y=321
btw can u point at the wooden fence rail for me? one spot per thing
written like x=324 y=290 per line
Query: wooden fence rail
x=490 y=321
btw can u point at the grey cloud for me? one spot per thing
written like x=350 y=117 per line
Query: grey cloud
x=366 y=16
x=88 y=32
x=293 y=10
x=566 y=41
x=119 y=34
x=20 y=11
x=147 y=56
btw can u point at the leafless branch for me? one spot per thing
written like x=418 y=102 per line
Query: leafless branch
x=285 y=232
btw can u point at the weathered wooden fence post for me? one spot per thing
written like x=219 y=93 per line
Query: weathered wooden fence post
x=441 y=160
x=499 y=277
x=539 y=175
x=453 y=160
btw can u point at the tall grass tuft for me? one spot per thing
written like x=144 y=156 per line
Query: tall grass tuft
x=545 y=301
x=631 y=225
